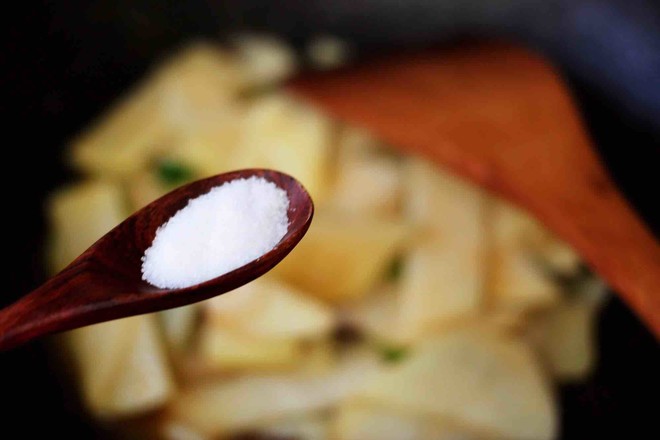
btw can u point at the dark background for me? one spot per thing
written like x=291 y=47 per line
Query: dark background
x=64 y=62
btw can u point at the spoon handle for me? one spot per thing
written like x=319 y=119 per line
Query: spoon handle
x=47 y=309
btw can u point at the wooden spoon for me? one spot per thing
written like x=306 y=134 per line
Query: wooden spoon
x=105 y=282
x=501 y=117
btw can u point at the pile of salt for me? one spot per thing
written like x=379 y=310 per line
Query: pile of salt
x=217 y=232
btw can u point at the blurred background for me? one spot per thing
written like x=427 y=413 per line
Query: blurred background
x=64 y=63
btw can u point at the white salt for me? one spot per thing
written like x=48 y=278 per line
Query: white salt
x=217 y=232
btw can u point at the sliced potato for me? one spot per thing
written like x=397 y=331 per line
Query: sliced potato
x=199 y=87
x=144 y=379
x=282 y=134
x=123 y=141
x=223 y=348
x=342 y=258
x=354 y=422
x=376 y=315
x=228 y=406
x=271 y=309
x=311 y=358
x=568 y=342
x=319 y=357
x=508 y=321
x=355 y=144
x=178 y=326
x=367 y=181
x=443 y=276
x=369 y=188
x=264 y=59
x=307 y=427
x=143 y=188
x=122 y=366
x=208 y=148
x=518 y=284
x=514 y=229
x=441 y=283
x=565 y=336
x=95 y=367
x=444 y=205
x=511 y=226
x=80 y=215
x=472 y=376
x=369 y=422
x=557 y=256
x=172 y=430
x=194 y=86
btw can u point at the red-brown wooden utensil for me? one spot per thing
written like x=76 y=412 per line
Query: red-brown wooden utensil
x=105 y=282
x=502 y=117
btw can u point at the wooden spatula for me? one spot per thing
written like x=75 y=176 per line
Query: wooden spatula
x=502 y=117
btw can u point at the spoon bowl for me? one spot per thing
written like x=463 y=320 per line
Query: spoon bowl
x=105 y=282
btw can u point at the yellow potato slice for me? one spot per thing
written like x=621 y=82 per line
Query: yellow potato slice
x=513 y=228
x=143 y=188
x=227 y=406
x=376 y=314
x=98 y=352
x=557 y=256
x=568 y=344
x=80 y=215
x=269 y=308
x=518 y=283
x=443 y=205
x=369 y=422
x=172 y=430
x=441 y=283
x=199 y=86
x=319 y=357
x=368 y=181
x=178 y=326
x=354 y=144
x=144 y=380
x=124 y=139
x=565 y=336
x=342 y=258
x=282 y=134
x=207 y=149
x=443 y=276
x=475 y=377
x=223 y=348
x=122 y=366
x=307 y=427
x=196 y=86
x=311 y=358
x=371 y=187
x=265 y=59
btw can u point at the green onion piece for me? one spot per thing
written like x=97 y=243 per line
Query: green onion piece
x=393 y=354
x=172 y=173
x=395 y=269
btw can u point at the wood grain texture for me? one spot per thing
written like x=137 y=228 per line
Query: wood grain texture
x=105 y=282
x=502 y=117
